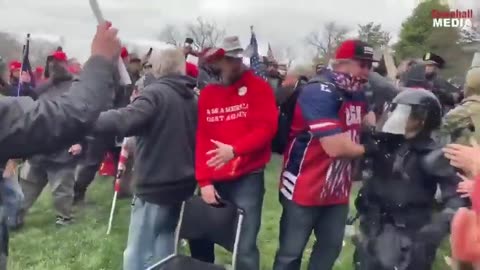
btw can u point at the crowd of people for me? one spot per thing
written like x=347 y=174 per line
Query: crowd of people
x=213 y=124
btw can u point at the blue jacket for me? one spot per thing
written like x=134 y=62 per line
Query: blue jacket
x=26 y=89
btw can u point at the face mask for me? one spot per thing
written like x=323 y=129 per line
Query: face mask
x=348 y=82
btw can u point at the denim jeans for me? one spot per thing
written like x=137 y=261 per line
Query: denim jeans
x=151 y=235
x=246 y=193
x=296 y=226
x=12 y=196
x=4 y=238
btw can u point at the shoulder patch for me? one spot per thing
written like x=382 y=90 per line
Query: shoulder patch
x=326 y=87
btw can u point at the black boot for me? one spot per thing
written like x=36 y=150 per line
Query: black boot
x=79 y=198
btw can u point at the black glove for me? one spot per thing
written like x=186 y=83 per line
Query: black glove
x=368 y=140
x=432 y=234
x=371 y=146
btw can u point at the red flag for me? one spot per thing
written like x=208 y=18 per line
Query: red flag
x=108 y=165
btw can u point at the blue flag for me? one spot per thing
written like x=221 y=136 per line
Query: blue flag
x=255 y=63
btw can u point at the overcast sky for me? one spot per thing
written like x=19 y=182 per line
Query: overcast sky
x=276 y=21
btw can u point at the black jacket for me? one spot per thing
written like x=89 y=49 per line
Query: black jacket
x=404 y=179
x=163 y=118
x=30 y=127
x=49 y=90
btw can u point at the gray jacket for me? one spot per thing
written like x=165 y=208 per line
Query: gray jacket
x=163 y=118
x=30 y=127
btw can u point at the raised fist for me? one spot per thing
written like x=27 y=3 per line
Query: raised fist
x=106 y=43
x=25 y=77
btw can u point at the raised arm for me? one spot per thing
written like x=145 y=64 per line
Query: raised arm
x=30 y=127
x=128 y=120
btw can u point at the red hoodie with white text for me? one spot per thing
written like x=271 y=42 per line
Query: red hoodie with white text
x=243 y=115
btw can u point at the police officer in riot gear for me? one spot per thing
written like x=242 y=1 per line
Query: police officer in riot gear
x=398 y=226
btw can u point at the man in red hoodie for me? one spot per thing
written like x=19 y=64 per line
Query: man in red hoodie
x=237 y=120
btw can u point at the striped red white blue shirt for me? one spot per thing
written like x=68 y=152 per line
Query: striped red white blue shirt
x=309 y=176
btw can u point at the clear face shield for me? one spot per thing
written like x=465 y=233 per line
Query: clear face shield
x=402 y=119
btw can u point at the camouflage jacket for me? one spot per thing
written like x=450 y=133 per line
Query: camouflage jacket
x=463 y=122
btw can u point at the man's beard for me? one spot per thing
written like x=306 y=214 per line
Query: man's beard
x=430 y=76
x=233 y=77
x=229 y=80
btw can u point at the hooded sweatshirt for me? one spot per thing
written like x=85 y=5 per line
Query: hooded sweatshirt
x=243 y=115
x=163 y=117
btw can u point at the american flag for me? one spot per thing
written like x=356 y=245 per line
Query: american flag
x=255 y=63
x=26 y=66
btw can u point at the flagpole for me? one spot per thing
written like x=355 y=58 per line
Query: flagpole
x=25 y=49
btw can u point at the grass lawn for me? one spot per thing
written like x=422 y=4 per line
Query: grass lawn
x=85 y=246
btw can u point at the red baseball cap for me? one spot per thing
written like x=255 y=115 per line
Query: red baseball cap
x=59 y=56
x=355 y=49
x=39 y=69
x=212 y=54
x=124 y=53
x=14 y=65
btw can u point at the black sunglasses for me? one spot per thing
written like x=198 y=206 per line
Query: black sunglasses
x=366 y=64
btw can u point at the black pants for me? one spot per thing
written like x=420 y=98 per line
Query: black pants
x=386 y=245
x=91 y=161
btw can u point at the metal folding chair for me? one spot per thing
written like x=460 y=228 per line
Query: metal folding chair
x=199 y=220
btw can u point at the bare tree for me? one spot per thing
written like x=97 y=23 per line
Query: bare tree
x=326 y=41
x=171 y=35
x=284 y=53
x=39 y=50
x=205 y=33
x=10 y=48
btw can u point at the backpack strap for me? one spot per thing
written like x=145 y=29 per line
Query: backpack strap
x=322 y=79
x=475 y=117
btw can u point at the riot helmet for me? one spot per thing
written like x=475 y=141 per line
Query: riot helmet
x=412 y=113
x=415 y=77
